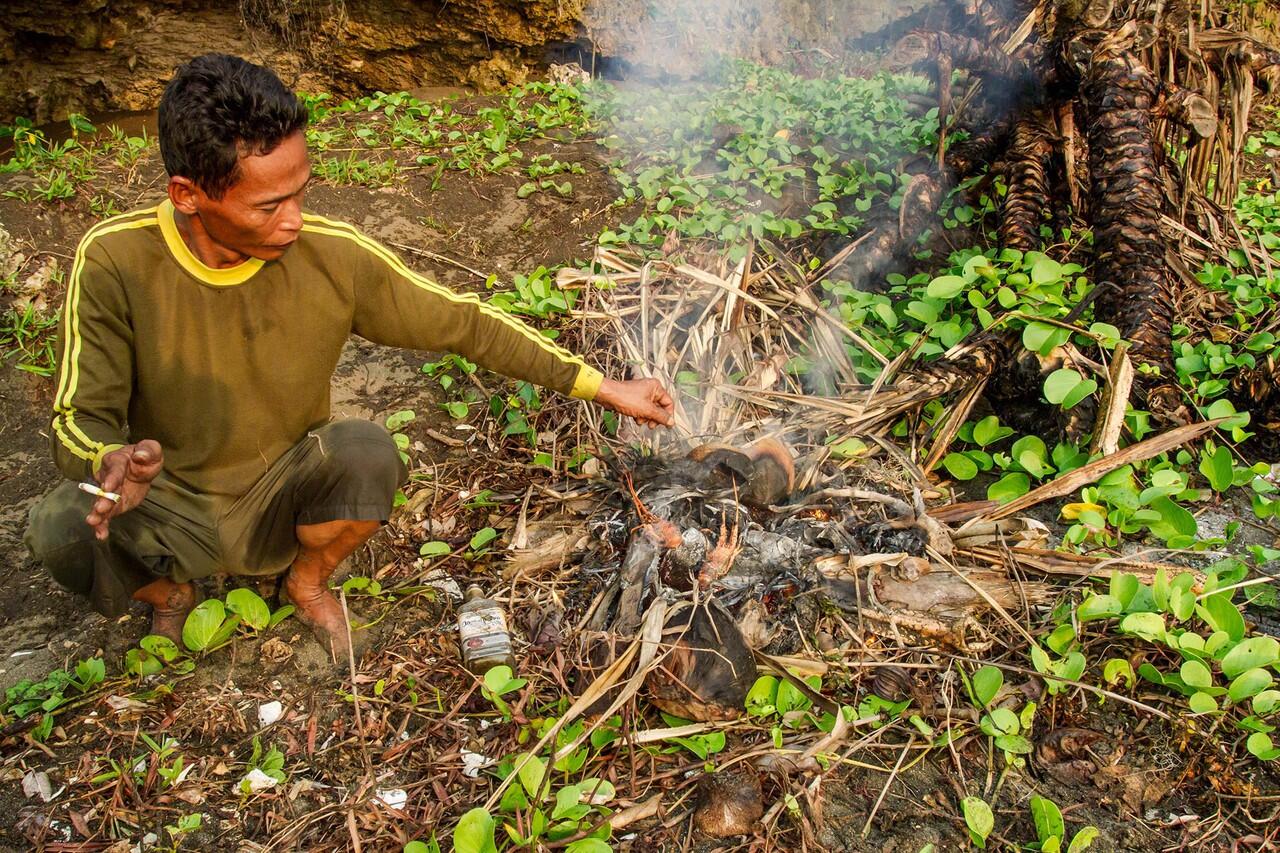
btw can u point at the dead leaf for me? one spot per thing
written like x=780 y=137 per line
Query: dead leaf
x=276 y=650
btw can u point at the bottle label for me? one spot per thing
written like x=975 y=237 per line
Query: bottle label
x=483 y=635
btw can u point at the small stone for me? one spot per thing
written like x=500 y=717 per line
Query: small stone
x=269 y=712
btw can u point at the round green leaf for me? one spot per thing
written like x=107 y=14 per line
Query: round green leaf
x=1174 y=520
x=960 y=466
x=435 y=548
x=160 y=646
x=945 y=287
x=1182 y=603
x=1043 y=338
x=763 y=694
x=1124 y=586
x=1080 y=392
x=532 y=772
x=1002 y=721
x=987 y=682
x=1259 y=744
x=1010 y=486
x=1016 y=744
x=1148 y=626
x=1217 y=468
x=588 y=845
x=202 y=624
x=1116 y=669
x=474 y=833
x=1098 y=607
x=1266 y=702
x=1247 y=654
x=1222 y=615
x=1251 y=682
x=597 y=791
x=400 y=419
x=1048 y=819
x=1045 y=270
x=1202 y=703
x=979 y=819
x=140 y=662
x=250 y=607
x=483 y=537
x=1083 y=839
x=1060 y=383
x=988 y=430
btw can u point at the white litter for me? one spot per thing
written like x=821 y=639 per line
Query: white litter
x=269 y=712
x=473 y=762
x=254 y=781
x=182 y=776
x=443 y=581
x=392 y=798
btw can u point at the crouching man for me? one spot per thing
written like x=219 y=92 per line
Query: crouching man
x=191 y=412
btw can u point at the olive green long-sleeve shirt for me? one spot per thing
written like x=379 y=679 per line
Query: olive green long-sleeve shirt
x=228 y=368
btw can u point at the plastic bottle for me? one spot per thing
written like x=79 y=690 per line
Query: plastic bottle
x=482 y=633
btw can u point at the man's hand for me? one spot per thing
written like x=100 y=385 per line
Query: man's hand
x=643 y=399
x=127 y=471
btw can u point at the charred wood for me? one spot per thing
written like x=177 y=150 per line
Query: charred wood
x=1191 y=110
x=1120 y=94
x=1027 y=178
x=978 y=57
x=868 y=262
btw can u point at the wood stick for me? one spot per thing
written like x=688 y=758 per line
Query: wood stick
x=1083 y=476
x=1115 y=398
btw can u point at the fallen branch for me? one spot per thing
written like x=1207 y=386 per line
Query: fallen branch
x=1083 y=476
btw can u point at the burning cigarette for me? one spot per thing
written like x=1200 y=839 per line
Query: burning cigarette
x=102 y=493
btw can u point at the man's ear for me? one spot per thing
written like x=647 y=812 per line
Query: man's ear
x=184 y=194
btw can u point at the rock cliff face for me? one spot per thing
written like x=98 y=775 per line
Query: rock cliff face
x=102 y=56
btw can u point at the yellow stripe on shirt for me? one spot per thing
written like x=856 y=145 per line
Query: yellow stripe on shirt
x=72 y=340
x=588 y=380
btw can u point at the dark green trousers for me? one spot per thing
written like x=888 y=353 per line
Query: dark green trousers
x=344 y=470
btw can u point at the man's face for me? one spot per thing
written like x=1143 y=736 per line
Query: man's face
x=260 y=215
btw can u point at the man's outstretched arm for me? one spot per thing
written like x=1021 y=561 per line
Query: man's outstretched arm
x=397 y=307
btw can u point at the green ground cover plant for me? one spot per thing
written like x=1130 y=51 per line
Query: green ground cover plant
x=755 y=155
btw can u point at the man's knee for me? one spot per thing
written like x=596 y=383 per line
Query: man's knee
x=361 y=450
x=60 y=540
x=56 y=522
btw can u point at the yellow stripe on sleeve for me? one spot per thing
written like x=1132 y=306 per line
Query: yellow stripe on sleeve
x=64 y=422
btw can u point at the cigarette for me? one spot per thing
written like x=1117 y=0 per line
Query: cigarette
x=102 y=493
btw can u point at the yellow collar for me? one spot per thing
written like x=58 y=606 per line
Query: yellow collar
x=224 y=277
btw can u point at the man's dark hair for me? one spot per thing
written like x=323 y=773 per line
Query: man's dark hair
x=219 y=108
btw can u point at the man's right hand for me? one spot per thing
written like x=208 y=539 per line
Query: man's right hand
x=127 y=471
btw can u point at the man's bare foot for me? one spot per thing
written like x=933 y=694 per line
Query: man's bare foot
x=317 y=608
x=171 y=603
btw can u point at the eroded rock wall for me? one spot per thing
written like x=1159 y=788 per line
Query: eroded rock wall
x=101 y=56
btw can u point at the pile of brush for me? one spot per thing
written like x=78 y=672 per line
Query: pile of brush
x=741 y=558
